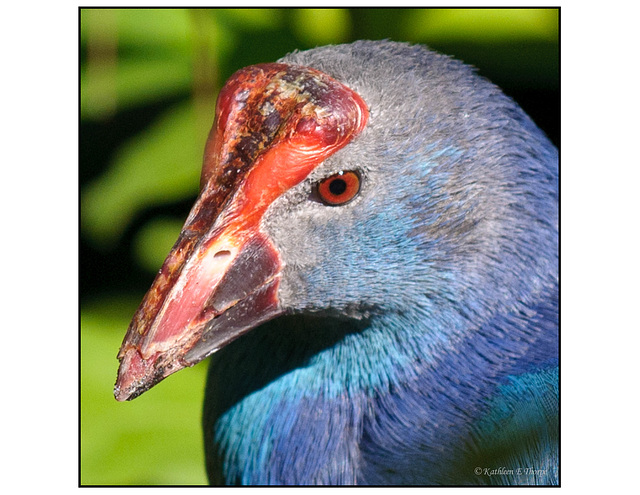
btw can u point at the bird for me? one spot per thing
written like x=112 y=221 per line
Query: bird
x=372 y=266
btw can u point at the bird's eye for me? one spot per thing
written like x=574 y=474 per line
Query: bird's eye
x=339 y=188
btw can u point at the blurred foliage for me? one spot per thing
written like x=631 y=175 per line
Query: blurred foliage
x=155 y=442
x=322 y=27
x=148 y=82
x=484 y=25
x=109 y=203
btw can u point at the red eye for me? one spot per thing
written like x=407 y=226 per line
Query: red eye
x=339 y=188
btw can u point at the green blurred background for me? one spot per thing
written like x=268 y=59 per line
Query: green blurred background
x=148 y=83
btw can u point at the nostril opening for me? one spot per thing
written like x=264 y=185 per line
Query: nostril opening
x=222 y=254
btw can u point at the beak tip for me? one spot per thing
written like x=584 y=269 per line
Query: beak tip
x=120 y=394
x=135 y=375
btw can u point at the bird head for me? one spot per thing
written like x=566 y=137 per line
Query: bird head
x=274 y=124
x=327 y=173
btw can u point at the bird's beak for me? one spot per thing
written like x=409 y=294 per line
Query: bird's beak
x=274 y=124
x=213 y=287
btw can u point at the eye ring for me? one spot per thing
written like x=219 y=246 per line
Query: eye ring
x=338 y=189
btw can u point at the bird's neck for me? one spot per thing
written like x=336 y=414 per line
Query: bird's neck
x=301 y=392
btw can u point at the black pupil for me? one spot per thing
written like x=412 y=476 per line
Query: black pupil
x=337 y=187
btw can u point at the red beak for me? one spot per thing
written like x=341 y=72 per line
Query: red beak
x=274 y=124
